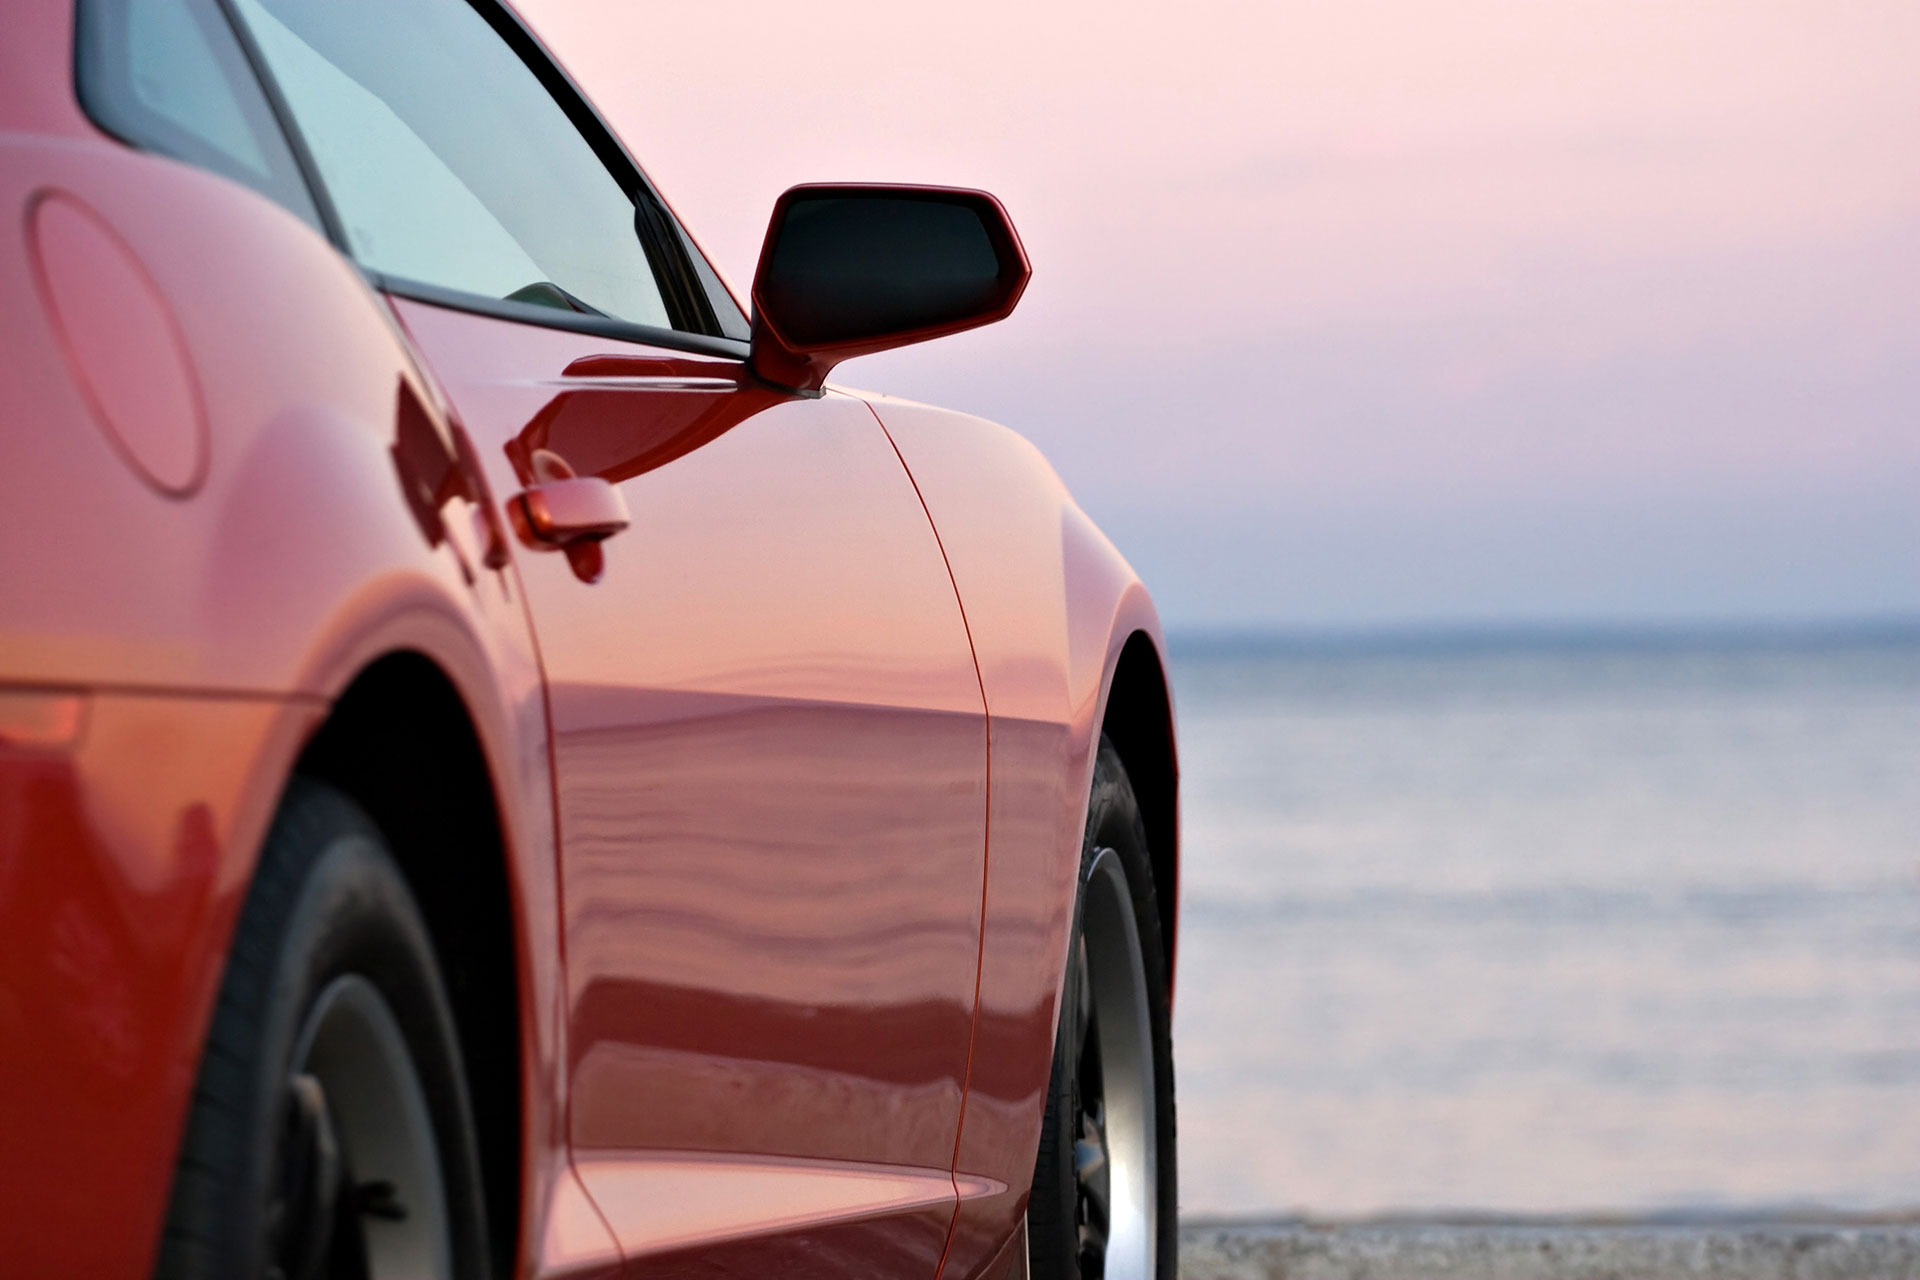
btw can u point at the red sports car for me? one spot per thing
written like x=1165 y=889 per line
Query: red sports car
x=504 y=772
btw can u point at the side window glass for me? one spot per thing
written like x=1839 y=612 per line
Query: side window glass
x=448 y=162
x=169 y=76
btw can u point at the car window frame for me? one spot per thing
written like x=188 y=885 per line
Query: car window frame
x=111 y=109
x=683 y=286
x=688 y=305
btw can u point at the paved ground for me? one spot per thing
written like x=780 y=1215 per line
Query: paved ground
x=1532 y=1250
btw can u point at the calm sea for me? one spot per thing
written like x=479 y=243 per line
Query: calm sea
x=1550 y=926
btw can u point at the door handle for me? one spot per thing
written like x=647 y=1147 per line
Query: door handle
x=568 y=512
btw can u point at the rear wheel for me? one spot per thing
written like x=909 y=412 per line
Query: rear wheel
x=1104 y=1190
x=330 y=1136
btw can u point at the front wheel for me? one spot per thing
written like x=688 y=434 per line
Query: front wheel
x=329 y=1136
x=1105 y=1191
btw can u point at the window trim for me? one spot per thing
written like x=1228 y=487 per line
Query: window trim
x=296 y=140
x=687 y=304
x=86 y=20
x=554 y=318
x=679 y=280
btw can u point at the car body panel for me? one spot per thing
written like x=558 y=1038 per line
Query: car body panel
x=770 y=757
x=36 y=90
x=293 y=567
x=1050 y=604
x=773 y=1216
x=303 y=405
x=110 y=952
x=951 y=624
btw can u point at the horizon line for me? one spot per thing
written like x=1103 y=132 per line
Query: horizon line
x=1899 y=629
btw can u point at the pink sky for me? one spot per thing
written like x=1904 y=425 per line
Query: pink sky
x=1353 y=313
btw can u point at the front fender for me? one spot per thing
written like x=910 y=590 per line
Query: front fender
x=1050 y=605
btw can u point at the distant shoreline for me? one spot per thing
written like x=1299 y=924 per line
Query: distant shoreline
x=1898 y=631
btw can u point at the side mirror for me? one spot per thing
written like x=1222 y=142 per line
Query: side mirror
x=850 y=270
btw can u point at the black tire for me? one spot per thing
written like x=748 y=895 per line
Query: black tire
x=265 y=1184
x=1056 y=1228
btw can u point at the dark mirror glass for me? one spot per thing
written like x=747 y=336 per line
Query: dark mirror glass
x=847 y=266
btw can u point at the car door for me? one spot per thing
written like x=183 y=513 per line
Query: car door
x=769 y=738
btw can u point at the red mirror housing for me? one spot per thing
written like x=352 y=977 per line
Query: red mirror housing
x=848 y=270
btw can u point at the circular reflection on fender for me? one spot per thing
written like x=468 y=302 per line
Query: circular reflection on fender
x=122 y=344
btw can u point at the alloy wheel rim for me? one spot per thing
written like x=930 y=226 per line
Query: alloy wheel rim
x=358 y=1192
x=1115 y=1107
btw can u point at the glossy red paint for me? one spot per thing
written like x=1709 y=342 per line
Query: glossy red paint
x=1048 y=635
x=118 y=853
x=308 y=553
x=789 y=772
x=771 y=757
x=122 y=344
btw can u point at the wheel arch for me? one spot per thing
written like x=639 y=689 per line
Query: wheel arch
x=401 y=741
x=1138 y=720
